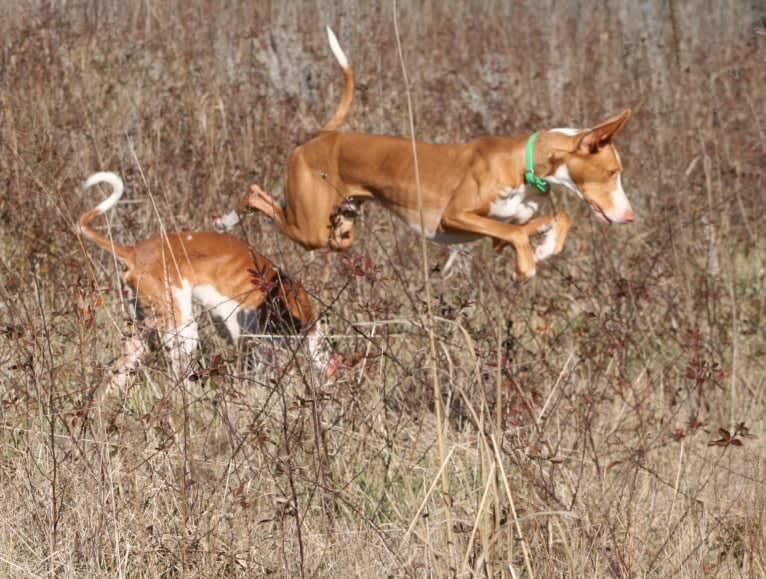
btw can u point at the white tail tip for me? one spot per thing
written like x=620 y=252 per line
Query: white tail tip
x=118 y=187
x=336 y=49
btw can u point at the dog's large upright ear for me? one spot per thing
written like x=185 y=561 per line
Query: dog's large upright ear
x=601 y=134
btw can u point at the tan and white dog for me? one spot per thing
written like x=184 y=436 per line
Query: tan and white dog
x=167 y=273
x=467 y=190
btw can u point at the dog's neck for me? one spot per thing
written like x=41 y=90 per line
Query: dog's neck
x=561 y=176
x=549 y=162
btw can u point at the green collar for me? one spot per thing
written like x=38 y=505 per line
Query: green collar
x=531 y=178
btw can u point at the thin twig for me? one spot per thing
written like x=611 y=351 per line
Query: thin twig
x=440 y=424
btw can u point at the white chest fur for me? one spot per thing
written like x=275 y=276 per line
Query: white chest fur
x=516 y=205
x=512 y=205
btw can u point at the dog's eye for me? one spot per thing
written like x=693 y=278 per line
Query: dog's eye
x=613 y=172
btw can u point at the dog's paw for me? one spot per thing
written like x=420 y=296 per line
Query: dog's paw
x=226 y=222
x=349 y=208
x=547 y=246
x=526 y=276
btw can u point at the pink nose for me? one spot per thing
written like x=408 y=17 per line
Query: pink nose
x=629 y=216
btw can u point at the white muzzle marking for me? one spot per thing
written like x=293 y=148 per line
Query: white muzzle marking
x=620 y=211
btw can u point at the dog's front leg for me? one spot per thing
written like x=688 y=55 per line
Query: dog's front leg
x=181 y=343
x=515 y=235
x=552 y=228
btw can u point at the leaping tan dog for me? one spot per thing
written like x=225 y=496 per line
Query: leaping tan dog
x=166 y=273
x=491 y=186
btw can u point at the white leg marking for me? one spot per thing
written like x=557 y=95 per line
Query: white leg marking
x=232 y=326
x=182 y=343
x=545 y=249
x=220 y=306
x=184 y=338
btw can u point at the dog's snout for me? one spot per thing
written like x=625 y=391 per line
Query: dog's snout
x=629 y=216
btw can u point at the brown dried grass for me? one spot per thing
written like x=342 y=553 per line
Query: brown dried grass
x=580 y=407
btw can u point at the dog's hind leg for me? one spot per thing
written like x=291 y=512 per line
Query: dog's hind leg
x=342 y=226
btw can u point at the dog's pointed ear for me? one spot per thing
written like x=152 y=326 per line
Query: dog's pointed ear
x=592 y=140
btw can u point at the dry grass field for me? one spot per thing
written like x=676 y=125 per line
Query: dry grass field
x=605 y=419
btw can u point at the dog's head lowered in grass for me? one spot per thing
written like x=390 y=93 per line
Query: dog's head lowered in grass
x=167 y=272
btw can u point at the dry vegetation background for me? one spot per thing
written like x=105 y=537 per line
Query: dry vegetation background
x=606 y=418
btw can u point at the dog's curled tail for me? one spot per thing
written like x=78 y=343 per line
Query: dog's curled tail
x=348 y=87
x=122 y=251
